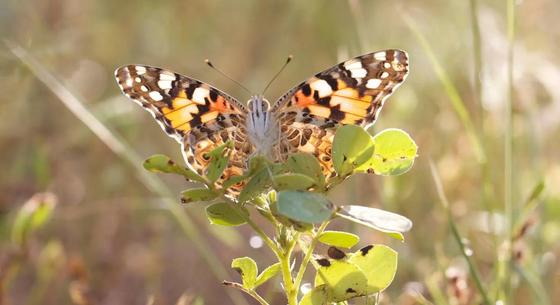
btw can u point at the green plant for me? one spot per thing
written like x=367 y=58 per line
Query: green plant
x=292 y=197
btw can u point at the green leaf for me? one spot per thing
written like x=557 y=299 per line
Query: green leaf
x=352 y=146
x=259 y=183
x=267 y=274
x=163 y=164
x=219 y=158
x=395 y=152
x=233 y=180
x=345 y=280
x=339 y=239
x=247 y=268
x=391 y=223
x=319 y=295
x=303 y=206
x=379 y=264
x=226 y=214
x=32 y=216
x=306 y=164
x=292 y=182
x=197 y=194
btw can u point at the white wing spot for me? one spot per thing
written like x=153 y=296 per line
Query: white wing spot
x=128 y=82
x=167 y=76
x=144 y=88
x=322 y=86
x=359 y=73
x=199 y=94
x=140 y=70
x=380 y=55
x=137 y=79
x=156 y=96
x=164 y=84
x=384 y=75
x=353 y=65
x=373 y=83
x=387 y=65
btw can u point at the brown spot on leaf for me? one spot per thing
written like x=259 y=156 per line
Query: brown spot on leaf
x=324 y=262
x=366 y=249
x=336 y=253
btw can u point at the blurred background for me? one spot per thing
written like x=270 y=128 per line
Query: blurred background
x=71 y=142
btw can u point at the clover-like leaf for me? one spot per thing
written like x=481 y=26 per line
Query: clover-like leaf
x=33 y=215
x=291 y=181
x=219 y=158
x=267 y=274
x=339 y=239
x=395 y=152
x=226 y=214
x=306 y=164
x=304 y=206
x=197 y=194
x=379 y=264
x=259 y=182
x=247 y=268
x=163 y=164
x=352 y=147
x=384 y=221
x=344 y=279
x=320 y=295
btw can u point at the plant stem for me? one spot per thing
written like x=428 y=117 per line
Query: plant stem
x=284 y=258
x=308 y=254
x=252 y=293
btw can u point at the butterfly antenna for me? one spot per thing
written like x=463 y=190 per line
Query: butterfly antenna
x=278 y=73
x=209 y=63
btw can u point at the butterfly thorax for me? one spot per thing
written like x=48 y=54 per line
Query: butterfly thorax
x=262 y=127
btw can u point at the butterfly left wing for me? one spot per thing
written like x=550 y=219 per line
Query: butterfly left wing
x=352 y=92
x=197 y=115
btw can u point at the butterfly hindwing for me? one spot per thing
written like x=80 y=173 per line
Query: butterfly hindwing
x=352 y=92
x=197 y=115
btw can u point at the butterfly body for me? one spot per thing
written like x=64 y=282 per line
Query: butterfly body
x=201 y=117
x=263 y=127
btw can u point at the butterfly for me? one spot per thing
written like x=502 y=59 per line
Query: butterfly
x=201 y=117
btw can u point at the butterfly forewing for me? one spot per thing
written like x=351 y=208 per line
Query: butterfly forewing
x=199 y=116
x=352 y=92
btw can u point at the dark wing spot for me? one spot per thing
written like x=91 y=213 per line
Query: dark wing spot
x=213 y=94
x=195 y=121
x=336 y=114
x=189 y=91
x=306 y=90
x=331 y=81
x=324 y=100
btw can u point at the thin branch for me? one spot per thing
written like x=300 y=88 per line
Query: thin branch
x=250 y=292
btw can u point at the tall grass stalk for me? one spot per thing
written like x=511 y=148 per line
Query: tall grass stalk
x=473 y=270
x=450 y=89
x=509 y=208
x=125 y=152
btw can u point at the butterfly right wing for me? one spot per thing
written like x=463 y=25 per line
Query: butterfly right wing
x=197 y=115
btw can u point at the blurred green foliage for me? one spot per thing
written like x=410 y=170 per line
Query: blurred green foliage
x=111 y=240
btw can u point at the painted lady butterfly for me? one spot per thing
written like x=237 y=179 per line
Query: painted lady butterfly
x=201 y=117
